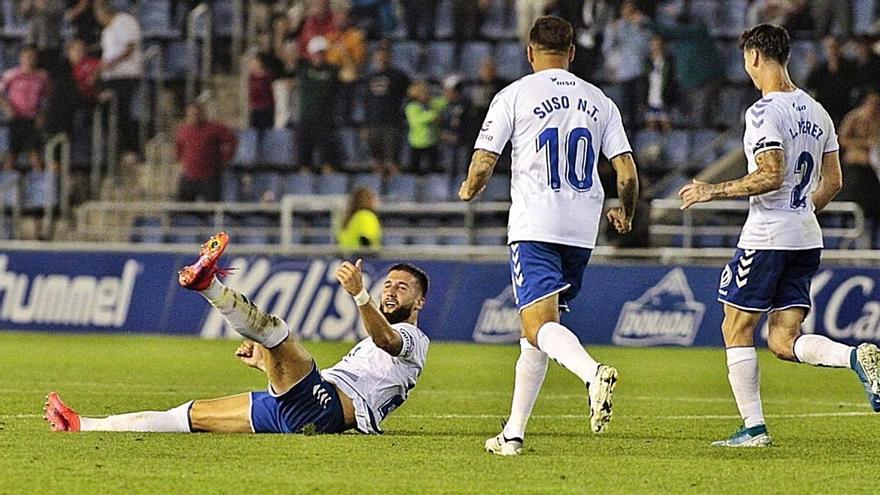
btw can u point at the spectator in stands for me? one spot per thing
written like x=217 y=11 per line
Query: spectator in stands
x=468 y=17
x=81 y=16
x=859 y=133
x=25 y=90
x=360 y=228
x=385 y=90
x=261 y=102
x=204 y=149
x=423 y=118
x=487 y=86
x=375 y=17
x=698 y=69
x=589 y=19
x=121 y=67
x=832 y=81
x=421 y=18
x=85 y=70
x=44 y=30
x=284 y=87
x=347 y=51
x=457 y=123
x=867 y=65
x=321 y=21
x=662 y=86
x=827 y=13
x=318 y=83
x=794 y=15
x=625 y=48
x=526 y=13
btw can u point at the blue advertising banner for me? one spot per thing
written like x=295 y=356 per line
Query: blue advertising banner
x=620 y=305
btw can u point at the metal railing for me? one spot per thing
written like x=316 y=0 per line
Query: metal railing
x=60 y=143
x=692 y=222
x=14 y=207
x=153 y=69
x=199 y=46
x=243 y=110
x=104 y=151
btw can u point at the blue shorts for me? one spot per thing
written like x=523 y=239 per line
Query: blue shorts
x=541 y=269
x=771 y=280
x=312 y=401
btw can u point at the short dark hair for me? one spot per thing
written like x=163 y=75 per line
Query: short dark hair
x=551 y=33
x=770 y=40
x=416 y=272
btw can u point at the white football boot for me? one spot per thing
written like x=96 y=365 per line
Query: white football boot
x=504 y=446
x=601 y=395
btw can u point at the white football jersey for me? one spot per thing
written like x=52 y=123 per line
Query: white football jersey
x=794 y=122
x=377 y=382
x=557 y=125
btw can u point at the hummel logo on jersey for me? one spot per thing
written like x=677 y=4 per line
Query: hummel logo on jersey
x=321 y=395
x=744 y=267
x=518 y=278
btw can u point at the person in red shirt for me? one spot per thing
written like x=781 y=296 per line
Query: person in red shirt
x=24 y=91
x=320 y=22
x=86 y=70
x=204 y=149
x=261 y=102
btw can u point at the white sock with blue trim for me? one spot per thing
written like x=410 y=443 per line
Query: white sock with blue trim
x=244 y=317
x=171 y=421
x=564 y=347
x=531 y=367
x=745 y=381
x=819 y=350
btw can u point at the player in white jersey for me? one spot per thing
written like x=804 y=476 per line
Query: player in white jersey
x=358 y=392
x=558 y=125
x=794 y=171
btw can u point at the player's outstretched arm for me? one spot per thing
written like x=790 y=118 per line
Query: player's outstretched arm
x=830 y=182
x=627 y=191
x=480 y=171
x=385 y=337
x=768 y=177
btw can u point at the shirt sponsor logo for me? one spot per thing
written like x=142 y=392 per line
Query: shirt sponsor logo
x=666 y=314
x=498 y=320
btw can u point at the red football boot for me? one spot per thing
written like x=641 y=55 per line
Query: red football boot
x=200 y=274
x=59 y=416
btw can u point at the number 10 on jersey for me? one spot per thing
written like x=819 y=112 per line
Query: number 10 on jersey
x=578 y=173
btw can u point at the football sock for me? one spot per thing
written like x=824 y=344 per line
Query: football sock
x=564 y=347
x=530 y=370
x=819 y=350
x=245 y=318
x=745 y=380
x=171 y=421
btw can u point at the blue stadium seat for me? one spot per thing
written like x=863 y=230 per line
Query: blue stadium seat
x=276 y=148
x=393 y=240
x=176 y=60
x=454 y=240
x=332 y=184
x=512 y=63
x=472 y=55
x=645 y=139
x=730 y=107
x=299 y=183
x=185 y=229
x=231 y=187
x=490 y=240
x=402 y=187
x=441 y=59
x=425 y=240
x=676 y=148
x=4 y=139
x=405 y=56
x=246 y=153
x=323 y=227
x=147 y=230
x=733 y=61
x=13 y=25
x=9 y=188
x=265 y=186
x=864 y=14
x=494 y=26
x=801 y=53
x=155 y=18
x=255 y=231
x=351 y=145
x=701 y=142
x=40 y=189
x=444 y=20
x=223 y=17
x=498 y=189
x=435 y=187
x=372 y=181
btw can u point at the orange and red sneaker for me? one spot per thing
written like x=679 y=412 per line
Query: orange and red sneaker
x=59 y=416
x=200 y=274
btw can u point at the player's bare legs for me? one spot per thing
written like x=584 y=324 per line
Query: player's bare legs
x=225 y=415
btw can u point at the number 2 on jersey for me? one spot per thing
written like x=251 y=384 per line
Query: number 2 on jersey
x=804 y=169
x=579 y=174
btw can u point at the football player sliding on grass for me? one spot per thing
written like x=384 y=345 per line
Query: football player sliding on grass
x=358 y=392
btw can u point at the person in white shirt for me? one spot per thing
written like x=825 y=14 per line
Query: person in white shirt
x=358 y=392
x=557 y=125
x=121 y=66
x=794 y=172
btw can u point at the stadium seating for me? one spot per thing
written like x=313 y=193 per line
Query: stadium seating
x=435 y=187
x=185 y=229
x=441 y=54
x=472 y=55
x=147 y=230
x=155 y=18
x=332 y=184
x=402 y=187
x=40 y=190
x=246 y=155
x=277 y=149
x=9 y=188
x=299 y=183
x=371 y=181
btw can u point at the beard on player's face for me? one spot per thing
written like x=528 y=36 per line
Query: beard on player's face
x=394 y=312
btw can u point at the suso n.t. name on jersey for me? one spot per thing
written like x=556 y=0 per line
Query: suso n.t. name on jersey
x=794 y=122
x=557 y=125
x=377 y=382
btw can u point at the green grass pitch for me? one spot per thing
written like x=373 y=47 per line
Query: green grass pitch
x=670 y=404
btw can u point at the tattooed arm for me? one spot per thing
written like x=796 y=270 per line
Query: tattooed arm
x=627 y=191
x=482 y=164
x=768 y=177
